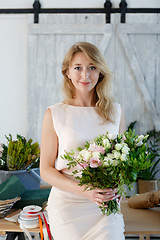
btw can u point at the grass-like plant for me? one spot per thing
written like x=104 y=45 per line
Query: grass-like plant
x=19 y=154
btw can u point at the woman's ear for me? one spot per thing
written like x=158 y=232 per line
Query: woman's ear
x=67 y=73
x=101 y=76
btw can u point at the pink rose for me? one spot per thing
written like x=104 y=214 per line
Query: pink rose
x=94 y=163
x=83 y=165
x=95 y=148
x=101 y=150
x=124 y=138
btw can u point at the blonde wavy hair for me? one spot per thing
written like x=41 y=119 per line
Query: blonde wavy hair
x=102 y=96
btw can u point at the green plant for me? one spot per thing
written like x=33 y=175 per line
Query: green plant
x=153 y=142
x=19 y=154
x=154 y=149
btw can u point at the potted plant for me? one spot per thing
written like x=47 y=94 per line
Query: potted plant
x=138 y=151
x=147 y=178
x=21 y=158
x=134 y=190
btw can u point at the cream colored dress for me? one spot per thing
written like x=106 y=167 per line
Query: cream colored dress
x=72 y=217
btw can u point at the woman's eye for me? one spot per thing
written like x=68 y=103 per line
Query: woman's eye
x=77 y=68
x=92 y=68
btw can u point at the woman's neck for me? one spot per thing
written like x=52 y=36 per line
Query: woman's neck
x=83 y=102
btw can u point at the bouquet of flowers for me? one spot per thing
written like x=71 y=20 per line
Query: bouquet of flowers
x=110 y=161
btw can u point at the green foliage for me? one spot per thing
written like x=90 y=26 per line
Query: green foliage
x=131 y=125
x=86 y=145
x=154 y=152
x=111 y=171
x=153 y=142
x=20 y=154
x=3 y=158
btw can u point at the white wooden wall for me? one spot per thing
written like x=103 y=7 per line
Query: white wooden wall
x=132 y=51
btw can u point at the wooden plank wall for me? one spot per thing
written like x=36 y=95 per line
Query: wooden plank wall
x=132 y=51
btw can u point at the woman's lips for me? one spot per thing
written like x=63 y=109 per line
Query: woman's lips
x=85 y=83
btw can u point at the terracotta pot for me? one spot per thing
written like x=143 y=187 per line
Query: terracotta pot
x=147 y=186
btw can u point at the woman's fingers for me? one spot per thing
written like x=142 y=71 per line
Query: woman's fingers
x=102 y=196
x=101 y=203
x=119 y=198
x=107 y=190
x=106 y=197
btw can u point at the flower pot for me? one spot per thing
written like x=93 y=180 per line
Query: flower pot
x=147 y=186
x=29 y=178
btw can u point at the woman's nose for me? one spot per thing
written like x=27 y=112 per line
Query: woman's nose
x=85 y=74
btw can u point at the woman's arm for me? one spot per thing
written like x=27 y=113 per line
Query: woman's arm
x=49 y=151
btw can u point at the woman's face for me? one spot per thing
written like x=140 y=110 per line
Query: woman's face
x=83 y=73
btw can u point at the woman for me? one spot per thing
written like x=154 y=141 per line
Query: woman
x=87 y=111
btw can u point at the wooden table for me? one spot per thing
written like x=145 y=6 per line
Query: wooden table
x=142 y=222
x=6 y=226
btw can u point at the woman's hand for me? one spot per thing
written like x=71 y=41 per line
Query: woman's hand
x=100 y=196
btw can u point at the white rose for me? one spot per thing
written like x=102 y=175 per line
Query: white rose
x=108 y=161
x=110 y=155
x=140 y=137
x=106 y=143
x=123 y=157
x=96 y=155
x=111 y=136
x=139 y=144
x=115 y=162
x=118 y=146
x=139 y=141
x=125 y=149
x=85 y=154
x=2 y=161
x=125 y=144
x=116 y=154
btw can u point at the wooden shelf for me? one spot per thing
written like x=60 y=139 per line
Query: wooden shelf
x=137 y=222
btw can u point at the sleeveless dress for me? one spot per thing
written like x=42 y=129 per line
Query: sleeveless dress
x=72 y=217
